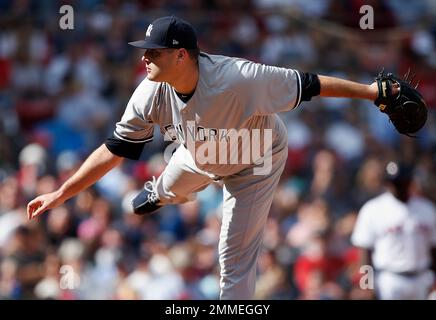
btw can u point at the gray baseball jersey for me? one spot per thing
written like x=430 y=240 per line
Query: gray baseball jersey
x=231 y=94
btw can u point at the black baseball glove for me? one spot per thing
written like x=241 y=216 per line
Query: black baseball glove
x=407 y=109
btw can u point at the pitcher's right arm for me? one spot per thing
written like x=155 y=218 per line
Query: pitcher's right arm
x=95 y=166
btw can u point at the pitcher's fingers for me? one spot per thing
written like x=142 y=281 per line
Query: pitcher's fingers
x=32 y=206
x=38 y=211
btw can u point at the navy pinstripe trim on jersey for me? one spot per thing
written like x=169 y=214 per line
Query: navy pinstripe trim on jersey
x=132 y=140
x=205 y=55
x=298 y=100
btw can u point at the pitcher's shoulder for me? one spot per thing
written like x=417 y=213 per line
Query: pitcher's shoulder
x=225 y=71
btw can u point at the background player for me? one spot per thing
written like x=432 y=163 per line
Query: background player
x=397 y=234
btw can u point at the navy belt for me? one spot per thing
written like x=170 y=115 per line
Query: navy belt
x=408 y=274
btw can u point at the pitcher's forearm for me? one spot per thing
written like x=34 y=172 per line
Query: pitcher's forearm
x=95 y=166
x=335 y=87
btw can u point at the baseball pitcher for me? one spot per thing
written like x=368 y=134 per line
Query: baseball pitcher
x=223 y=112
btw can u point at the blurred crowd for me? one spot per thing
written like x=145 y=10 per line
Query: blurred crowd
x=62 y=91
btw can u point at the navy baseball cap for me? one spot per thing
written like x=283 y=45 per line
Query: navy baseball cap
x=168 y=32
x=400 y=176
x=396 y=172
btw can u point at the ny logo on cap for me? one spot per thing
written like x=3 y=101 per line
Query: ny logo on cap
x=175 y=42
x=150 y=27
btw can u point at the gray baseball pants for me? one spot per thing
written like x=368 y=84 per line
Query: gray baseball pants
x=247 y=199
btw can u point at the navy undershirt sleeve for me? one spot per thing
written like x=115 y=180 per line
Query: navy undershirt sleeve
x=310 y=86
x=123 y=148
